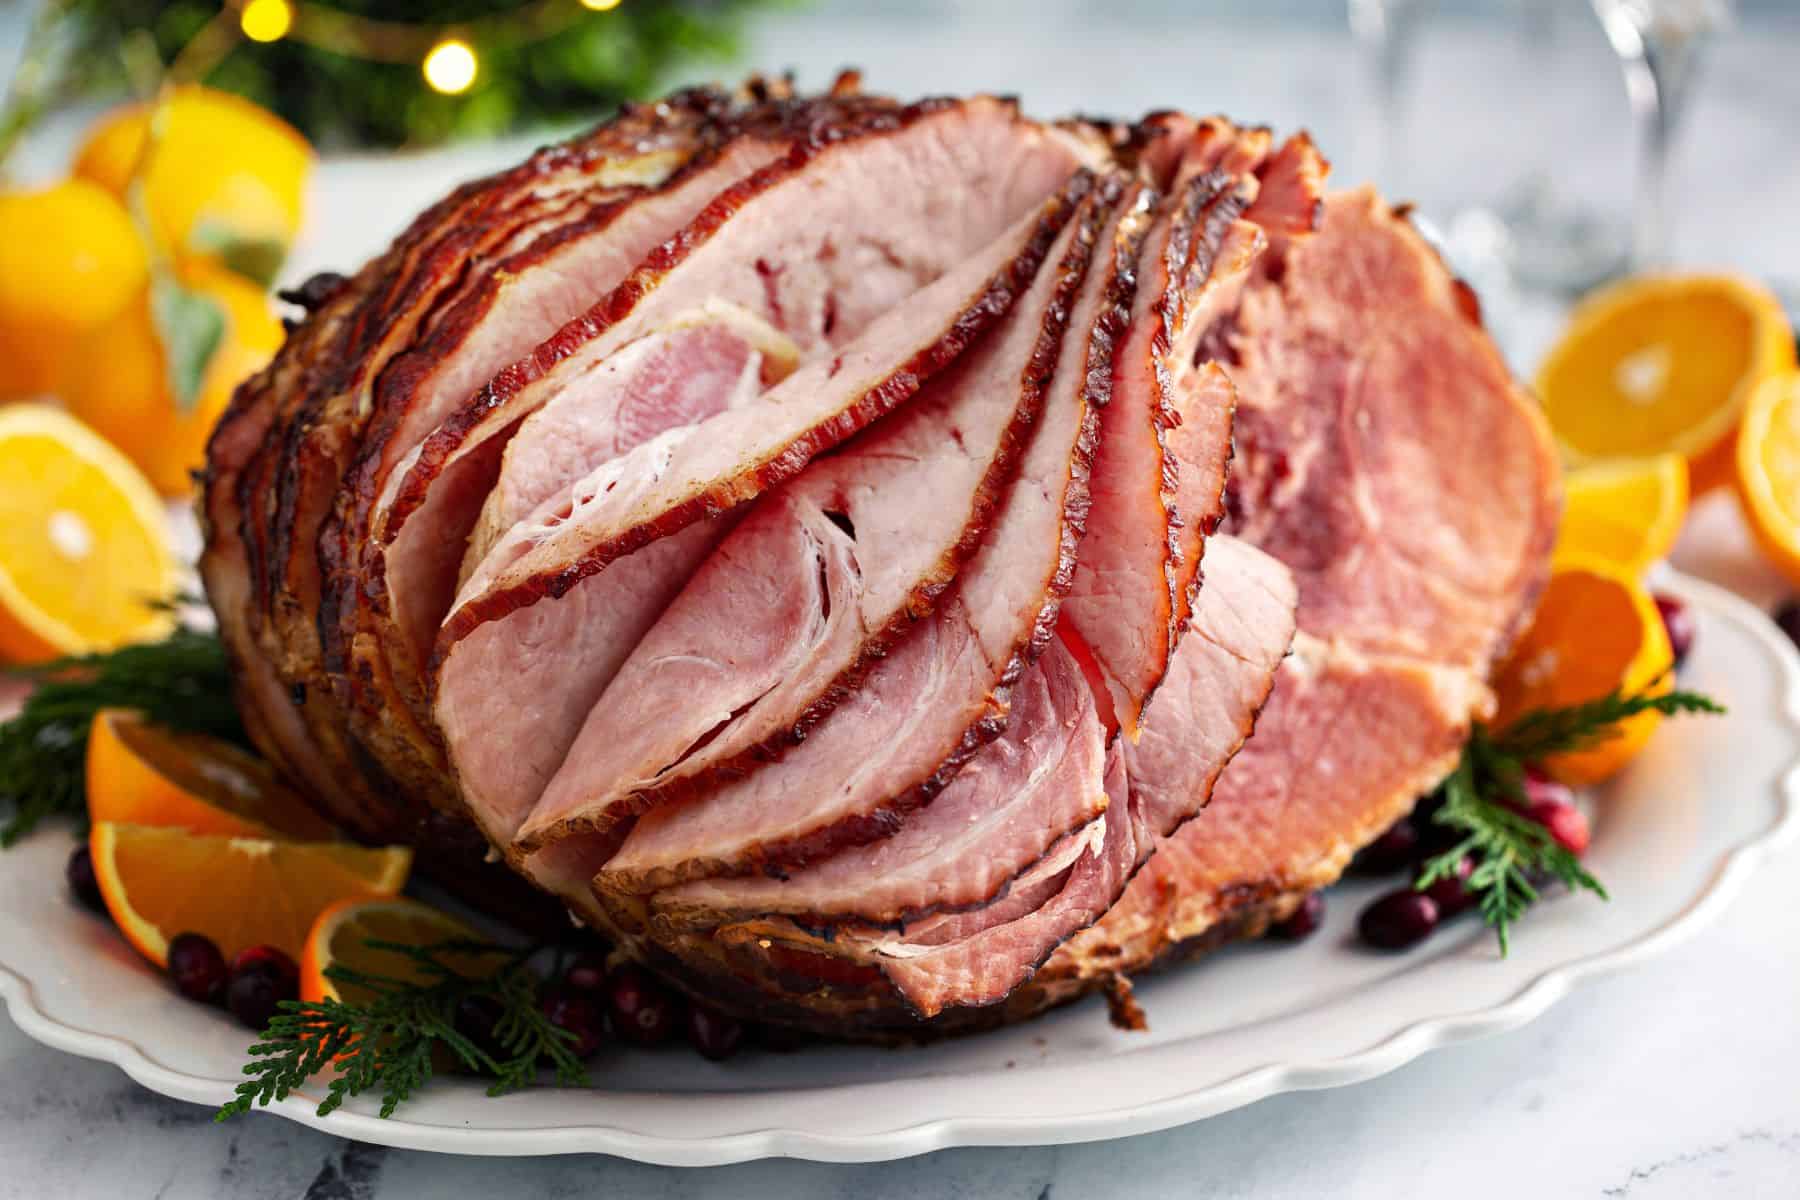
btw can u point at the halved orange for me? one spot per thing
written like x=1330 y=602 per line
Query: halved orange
x=1628 y=512
x=84 y=544
x=342 y=932
x=1663 y=363
x=1596 y=630
x=240 y=892
x=141 y=773
x=1768 y=470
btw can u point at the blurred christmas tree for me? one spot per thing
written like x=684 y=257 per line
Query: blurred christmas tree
x=386 y=72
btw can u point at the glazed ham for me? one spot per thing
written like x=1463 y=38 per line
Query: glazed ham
x=774 y=526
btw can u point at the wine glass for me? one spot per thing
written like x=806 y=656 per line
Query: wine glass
x=1658 y=43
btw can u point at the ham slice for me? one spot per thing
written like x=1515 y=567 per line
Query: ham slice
x=1385 y=452
x=943 y=691
x=785 y=618
x=1223 y=673
x=1003 y=812
x=703 y=362
x=1154 y=501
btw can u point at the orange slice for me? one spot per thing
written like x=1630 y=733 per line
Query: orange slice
x=342 y=932
x=1768 y=470
x=240 y=892
x=84 y=546
x=1663 y=363
x=1628 y=513
x=141 y=773
x=1596 y=630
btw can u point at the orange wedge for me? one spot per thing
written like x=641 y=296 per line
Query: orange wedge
x=140 y=773
x=1664 y=363
x=1596 y=630
x=342 y=932
x=1628 y=512
x=1768 y=470
x=240 y=892
x=84 y=547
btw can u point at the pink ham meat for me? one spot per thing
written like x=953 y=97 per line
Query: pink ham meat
x=781 y=623
x=1042 y=779
x=664 y=486
x=1415 y=518
x=704 y=362
x=326 y=377
x=820 y=282
x=1222 y=674
x=1347 y=425
x=502 y=743
x=494 y=326
x=1322 y=776
x=944 y=690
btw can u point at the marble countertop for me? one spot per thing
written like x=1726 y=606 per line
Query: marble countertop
x=1675 y=1079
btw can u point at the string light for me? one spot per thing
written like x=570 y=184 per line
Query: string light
x=266 y=20
x=600 y=5
x=450 y=67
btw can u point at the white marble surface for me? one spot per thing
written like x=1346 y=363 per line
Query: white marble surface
x=1674 y=1080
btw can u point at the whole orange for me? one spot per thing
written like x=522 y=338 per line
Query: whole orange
x=69 y=259
x=221 y=171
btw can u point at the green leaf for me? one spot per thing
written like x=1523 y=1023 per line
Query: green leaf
x=191 y=327
x=255 y=258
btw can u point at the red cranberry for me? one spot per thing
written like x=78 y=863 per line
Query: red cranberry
x=475 y=1018
x=83 y=883
x=1304 y=921
x=1566 y=823
x=1788 y=618
x=575 y=1013
x=1678 y=620
x=1392 y=851
x=196 y=968
x=713 y=1033
x=270 y=961
x=587 y=973
x=260 y=979
x=1541 y=789
x=1451 y=892
x=1398 y=920
x=644 y=1012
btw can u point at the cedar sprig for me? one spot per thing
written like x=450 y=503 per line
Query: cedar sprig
x=1546 y=731
x=1483 y=800
x=388 y=1042
x=181 y=681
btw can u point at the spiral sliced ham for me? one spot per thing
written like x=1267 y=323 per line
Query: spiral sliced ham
x=799 y=517
x=810 y=591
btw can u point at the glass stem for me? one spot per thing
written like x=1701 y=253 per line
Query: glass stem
x=1657 y=70
x=1388 y=31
